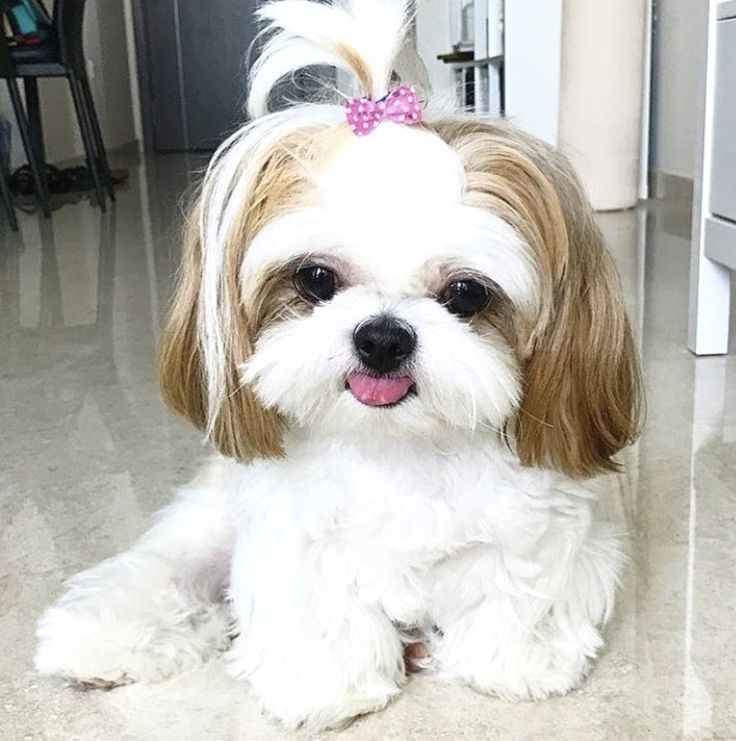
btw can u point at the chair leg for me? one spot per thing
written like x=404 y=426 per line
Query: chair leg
x=33 y=108
x=7 y=196
x=88 y=139
x=97 y=133
x=34 y=159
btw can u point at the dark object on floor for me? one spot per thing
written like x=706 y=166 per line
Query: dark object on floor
x=66 y=185
x=59 y=55
x=60 y=180
x=22 y=181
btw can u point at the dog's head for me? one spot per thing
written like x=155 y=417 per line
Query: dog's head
x=446 y=276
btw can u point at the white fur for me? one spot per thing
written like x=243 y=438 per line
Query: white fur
x=466 y=237
x=376 y=522
x=307 y=33
x=380 y=212
x=452 y=368
x=155 y=610
x=340 y=549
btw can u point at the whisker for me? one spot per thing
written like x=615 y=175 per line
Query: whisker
x=502 y=433
x=536 y=419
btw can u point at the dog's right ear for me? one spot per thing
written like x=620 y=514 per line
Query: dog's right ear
x=242 y=428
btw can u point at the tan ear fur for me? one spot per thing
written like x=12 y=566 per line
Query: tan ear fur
x=582 y=384
x=243 y=429
x=582 y=399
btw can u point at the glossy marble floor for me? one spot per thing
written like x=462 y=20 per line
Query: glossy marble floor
x=88 y=452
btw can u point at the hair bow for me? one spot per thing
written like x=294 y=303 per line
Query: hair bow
x=400 y=106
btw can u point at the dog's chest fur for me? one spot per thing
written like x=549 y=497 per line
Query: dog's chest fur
x=416 y=528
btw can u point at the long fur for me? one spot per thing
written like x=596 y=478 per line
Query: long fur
x=329 y=533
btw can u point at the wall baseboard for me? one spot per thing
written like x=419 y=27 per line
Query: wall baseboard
x=671 y=199
x=664 y=185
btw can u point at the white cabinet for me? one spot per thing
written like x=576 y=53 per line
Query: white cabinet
x=723 y=174
x=714 y=208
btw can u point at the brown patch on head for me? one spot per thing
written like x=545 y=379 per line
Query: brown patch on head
x=243 y=428
x=582 y=385
x=357 y=65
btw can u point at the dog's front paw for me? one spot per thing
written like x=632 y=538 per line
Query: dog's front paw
x=92 y=645
x=315 y=691
x=531 y=683
x=315 y=706
x=529 y=670
x=81 y=647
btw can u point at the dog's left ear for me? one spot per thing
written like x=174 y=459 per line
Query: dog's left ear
x=582 y=394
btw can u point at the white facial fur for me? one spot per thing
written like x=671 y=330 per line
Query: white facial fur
x=391 y=217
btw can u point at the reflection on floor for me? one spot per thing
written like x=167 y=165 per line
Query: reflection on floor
x=88 y=452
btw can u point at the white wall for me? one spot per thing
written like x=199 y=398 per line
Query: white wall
x=433 y=38
x=678 y=61
x=533 y=46
x=107 y=55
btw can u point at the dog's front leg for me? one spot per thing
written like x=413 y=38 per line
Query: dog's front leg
x=532 y=627
x=158 y=608
x=315 y=653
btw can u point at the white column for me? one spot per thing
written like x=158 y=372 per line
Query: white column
x=601 y=97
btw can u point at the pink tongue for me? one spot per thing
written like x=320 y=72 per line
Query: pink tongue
x=378 y=392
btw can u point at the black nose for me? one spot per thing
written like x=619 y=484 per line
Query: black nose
x=384 y=342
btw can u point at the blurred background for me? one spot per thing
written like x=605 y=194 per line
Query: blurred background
x=633 y=91
x=617 y=82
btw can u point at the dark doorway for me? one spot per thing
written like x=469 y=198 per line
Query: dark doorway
x=192 y=69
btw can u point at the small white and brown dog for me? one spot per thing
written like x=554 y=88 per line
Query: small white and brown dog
x=407 y=339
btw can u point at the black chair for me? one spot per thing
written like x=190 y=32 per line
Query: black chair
x=60 y=55
x=6 y=194
x=35 y=161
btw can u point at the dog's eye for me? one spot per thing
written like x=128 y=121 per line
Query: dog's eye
x=465 y=297
x=315 y=283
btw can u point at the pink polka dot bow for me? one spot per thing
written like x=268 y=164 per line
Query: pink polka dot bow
x=400 y=106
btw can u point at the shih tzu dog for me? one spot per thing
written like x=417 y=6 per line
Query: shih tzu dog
x=407 y=340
